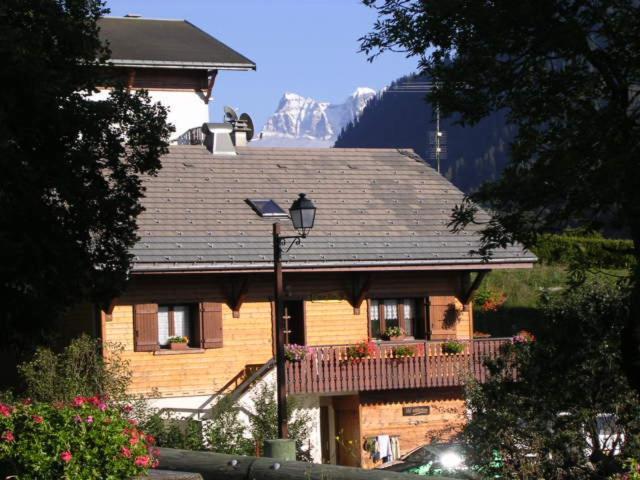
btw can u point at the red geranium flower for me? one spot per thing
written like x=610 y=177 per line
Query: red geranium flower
x=126 y=452
x=38 y=419
x=142 y=461
x=66 y=456
x=8 y=436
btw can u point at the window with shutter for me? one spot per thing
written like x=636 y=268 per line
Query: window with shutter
x=211 y=325
x=145 y=319
x=394 y=312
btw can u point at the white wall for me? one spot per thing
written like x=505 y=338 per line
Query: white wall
x=186 y=109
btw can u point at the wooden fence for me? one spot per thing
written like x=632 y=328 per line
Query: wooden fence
x=390 y=365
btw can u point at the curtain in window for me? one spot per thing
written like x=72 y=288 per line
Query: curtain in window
x=163 y=325
x=181 y=321
x=391 y=313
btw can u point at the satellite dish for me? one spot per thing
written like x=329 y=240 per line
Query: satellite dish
x=230 y=114
x=249 y=125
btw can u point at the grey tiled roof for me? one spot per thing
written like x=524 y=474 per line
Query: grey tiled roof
x=167 y=43
x=375 y=207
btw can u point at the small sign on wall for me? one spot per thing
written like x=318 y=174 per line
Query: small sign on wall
x=416 y=411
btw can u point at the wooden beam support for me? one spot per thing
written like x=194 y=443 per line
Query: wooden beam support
x=359 y=290
x=468 y=293
x=237 y=295
x=212 y=81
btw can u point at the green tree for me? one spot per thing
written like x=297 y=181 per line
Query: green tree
x=225 y=432
x=71 y=166
x=570 y=385
x=566 y=72
x=80 y=369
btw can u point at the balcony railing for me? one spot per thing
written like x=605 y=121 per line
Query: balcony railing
x=327 y=369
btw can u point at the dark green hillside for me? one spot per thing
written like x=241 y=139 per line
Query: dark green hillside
x=403 y=120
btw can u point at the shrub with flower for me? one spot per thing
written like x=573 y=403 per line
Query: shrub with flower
x=523 y=337
x=86 y=439
x=392 y=332
x=295 y=353
x=362 y=349
x=490 y=300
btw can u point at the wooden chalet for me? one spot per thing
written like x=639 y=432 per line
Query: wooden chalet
x=381 y=255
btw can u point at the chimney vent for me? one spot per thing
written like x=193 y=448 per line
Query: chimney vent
x=218 y=138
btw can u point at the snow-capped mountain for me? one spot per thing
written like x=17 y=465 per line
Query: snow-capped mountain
x=304 y=122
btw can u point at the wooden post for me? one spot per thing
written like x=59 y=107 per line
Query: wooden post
x=283 y=428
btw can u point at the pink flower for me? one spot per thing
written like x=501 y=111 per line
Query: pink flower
x=133 y=421
x=126 y=452
x=151 y=440
x=8 y=436
x=142 y=461
x=102 y=406
x=5 y=410
x=127 y=408
x=79 y=401
x=66 y=456
x=133 y=441
x=89 y=419
x=38 y=419
x=155 y=464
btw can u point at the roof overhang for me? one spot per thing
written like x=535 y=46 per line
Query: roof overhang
x=491 y=264
x=118 y=62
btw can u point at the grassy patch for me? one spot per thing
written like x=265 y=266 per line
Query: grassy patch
x=524 y=289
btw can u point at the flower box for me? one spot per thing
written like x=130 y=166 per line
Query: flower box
x=178 y=346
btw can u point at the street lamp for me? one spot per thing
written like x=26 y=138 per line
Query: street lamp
x=303 y=214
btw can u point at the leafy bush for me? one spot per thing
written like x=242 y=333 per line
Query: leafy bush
x=548 y=421
x=225 y=433
x=173 y=432
x=264 y=422
x=594 y=251
x=81 y=369
x=84 y=440
x=452 y=347
x=489 y=299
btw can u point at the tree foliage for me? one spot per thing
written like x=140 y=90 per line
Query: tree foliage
x=566 y=73
x=79 y=370
x=570 y=385
x=71 y=166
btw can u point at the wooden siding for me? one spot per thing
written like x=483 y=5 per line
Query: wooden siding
x=333 y=322
x=448 y=319
x=381 y=414
x=247 y=340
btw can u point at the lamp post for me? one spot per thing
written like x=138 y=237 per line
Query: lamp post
x=302 y=213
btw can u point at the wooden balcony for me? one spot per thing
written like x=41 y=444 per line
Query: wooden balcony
x=330 y=369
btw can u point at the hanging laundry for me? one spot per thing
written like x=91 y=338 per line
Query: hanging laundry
x=384 y=447
x=395 y=448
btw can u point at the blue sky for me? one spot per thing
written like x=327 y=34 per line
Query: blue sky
x=305 y=46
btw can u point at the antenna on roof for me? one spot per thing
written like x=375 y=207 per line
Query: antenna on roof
x=437 y=139
x=247 y=125
x=230 y=115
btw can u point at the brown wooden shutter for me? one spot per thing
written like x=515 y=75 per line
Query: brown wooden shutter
x=211 y=325
x=145 y=327
x=442 y=317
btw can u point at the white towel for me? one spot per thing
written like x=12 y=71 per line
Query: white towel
x=384 y=446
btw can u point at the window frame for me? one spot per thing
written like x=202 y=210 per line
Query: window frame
x=192 y=312
x=402 y=321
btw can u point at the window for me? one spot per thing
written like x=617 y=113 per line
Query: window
x=174 y=321
x=393 y=312
x=154 y=324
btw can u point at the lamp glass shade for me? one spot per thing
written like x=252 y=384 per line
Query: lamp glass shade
x=303 y=214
